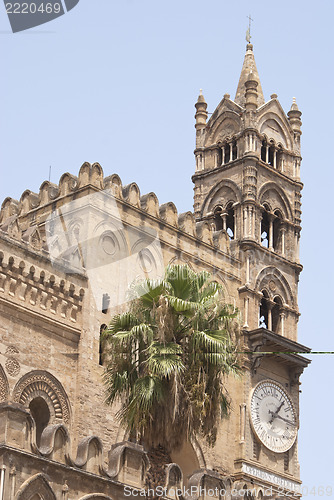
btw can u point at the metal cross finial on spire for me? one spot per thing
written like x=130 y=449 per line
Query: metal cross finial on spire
x=248 y=35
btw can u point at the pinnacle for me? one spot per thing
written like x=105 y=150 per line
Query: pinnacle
x=249 y=67
x=294 y=106
x=201 y=96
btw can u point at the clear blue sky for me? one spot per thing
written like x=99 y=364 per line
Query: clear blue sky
x=115 y=81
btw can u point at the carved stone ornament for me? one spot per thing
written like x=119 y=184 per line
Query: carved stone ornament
x=12 y=366
x=43 y=384
x=3 y=386
x=12 y=350
x=272 y=285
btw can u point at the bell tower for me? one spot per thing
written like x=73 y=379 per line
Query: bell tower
x=247 y=186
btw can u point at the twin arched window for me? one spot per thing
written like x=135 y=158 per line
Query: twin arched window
x=271 y=225
x=272 y=155
x=270 y=313
x=225 y=219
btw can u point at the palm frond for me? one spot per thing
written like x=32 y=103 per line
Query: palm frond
x=181 y=305
x=168 y=356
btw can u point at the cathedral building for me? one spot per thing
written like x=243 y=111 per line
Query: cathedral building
x=67 y=255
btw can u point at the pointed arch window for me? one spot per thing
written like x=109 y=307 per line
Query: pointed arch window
x=264 y=151
x=227 y=153
x=264 y=311
x=218 y=218
x=234 y=150
x=271 y=154
x=277 y=226
x=276 y=314
x=230 y=220
x=265 y=226
x=219 y=157
x=225 y=219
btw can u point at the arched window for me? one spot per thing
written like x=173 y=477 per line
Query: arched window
x=263 y=315
x=227 y=155
x=265 y=225
x=230 y=222
x=279 y=159
x=277 y=224
x=271 y=154
x=276 y=314
x=41 y=414
x=218 y=218
x=234 y=150
x=264 y=151
x=101 y=344
x=219 y=157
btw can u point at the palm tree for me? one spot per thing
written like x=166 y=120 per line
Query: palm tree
x=167 y=358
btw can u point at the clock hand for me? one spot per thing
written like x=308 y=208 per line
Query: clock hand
x=281 y=418
x=274 y=414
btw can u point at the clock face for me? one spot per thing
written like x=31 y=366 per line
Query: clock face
x=273 y=416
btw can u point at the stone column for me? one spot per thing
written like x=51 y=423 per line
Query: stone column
x=283 y=230
x=12 y=480
x=247 y=268
x=271 y=232
x=245 y=222
x=224 y=217
x=246 y=307
x=297 y=246
x=282 y=317
x=270 y=305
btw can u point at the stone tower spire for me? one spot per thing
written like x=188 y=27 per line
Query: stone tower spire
x=248 y=67
x=201 y=112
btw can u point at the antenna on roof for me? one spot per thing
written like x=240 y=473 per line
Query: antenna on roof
x=50 y=173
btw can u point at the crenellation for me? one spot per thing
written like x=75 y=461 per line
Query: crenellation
x=150 y=204
x=131 y=194
x=168 y=213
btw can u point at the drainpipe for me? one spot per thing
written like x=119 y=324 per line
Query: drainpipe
x=2 y=481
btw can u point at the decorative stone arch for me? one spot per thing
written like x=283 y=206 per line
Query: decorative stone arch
x=36 y=488
x=42 y=384
x=274 y=282
x=89 y=454
x=131 y=194
x=150 y=204
x=270 y=121
x=186 y=223
x=279 y=202
x=4 y=386
x=227 y=187
x=228 y=123
x=114 y=183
